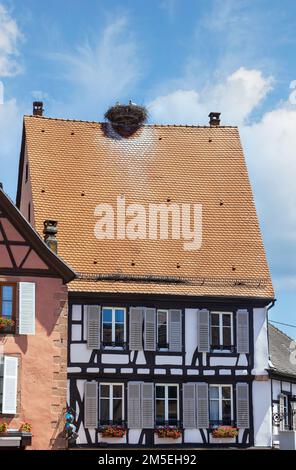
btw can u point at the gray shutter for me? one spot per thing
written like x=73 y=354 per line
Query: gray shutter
x=293 y=411
x=147 y=405
x=242 y=331
x=9 y=400
x=203 y=330
x=93 y=313
x=91 y=405
x=150 y=329
x=202 y=405
x=26 y=308
x=175 y=330
x=136 y=328
x=189 y=406
x=282 y=411
x=134 y=420
x=242 y=405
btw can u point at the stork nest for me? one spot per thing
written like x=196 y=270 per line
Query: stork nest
x=130 y=115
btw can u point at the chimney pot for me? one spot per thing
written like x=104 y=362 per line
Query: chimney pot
x=38 y=108
x=50 y=230
x=214 y=119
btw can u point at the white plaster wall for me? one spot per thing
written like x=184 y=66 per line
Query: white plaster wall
x=76 y=312
x=168 y=360
x=76 y=333
x=294 y=389
x=260 y=341
x=276 y=389
x=192 y=436
x=134 y=436
x=286 y=386
x=115 y=359
x=190 y=334
x=262 y=413
x=222 y=361
x=79 y=353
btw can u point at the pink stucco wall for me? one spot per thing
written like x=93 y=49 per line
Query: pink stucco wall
x=42 y=365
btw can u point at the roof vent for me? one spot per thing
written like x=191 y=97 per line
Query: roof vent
x=50 y=230
x=214 y=119
x=126 y=119
x=38 y=108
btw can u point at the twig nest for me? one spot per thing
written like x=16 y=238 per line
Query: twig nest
x=126 y=118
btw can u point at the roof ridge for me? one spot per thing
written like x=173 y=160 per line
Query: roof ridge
x=144 y=125
x=280 y=331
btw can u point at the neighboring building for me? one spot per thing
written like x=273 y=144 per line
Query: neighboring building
x=282 y=373
x=157 y=334
x=33 y=334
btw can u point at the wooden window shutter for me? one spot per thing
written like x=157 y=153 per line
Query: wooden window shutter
x=242 y=405
x=134 y=420
x=91 y=405
x=189 y=406
x=136 y=328
x=293 y=411
x=202 y=405
x=150 y=329
x=10 y=373
x=242 y=331
x=175 y=330
x=282 y=411
x=26 y=308
x=147 y=405
x=203 y=330
x=93 y=313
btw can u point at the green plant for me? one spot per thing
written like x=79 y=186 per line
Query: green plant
x=224 y=431
x=168 y=431
x=6 y=323
x=112 y=431
x=3 y=427
x=25 y=427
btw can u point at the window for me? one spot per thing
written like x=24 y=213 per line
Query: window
x=26 y=172
x=7 y=308
x=113 y=326
x=287 y=410
x=221 y=330
x=111 y=404
x=166 y=404
x=220 y=405
x=162 y=329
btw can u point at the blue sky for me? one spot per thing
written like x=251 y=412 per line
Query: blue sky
x=180 y=58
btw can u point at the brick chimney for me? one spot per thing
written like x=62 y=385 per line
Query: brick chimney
x=38 y=108
x=214 y=119
x=50 y=230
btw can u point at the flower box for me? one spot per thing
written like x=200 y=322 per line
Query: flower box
x=6 y=325
x=172 y=432
x=112 y=431
x=224 y=432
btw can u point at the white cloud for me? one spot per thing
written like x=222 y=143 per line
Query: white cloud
x=236 y=97
x=10 y=36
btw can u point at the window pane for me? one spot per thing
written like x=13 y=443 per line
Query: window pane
x=7 y=293
x=214 y=392
x=117 y=391
x=214 y=410
x=119 y=333
x=226 y=392
x=215 y=336
x=215 y=319
x=172 y=392
x=104 y=390
x=159 y=392
x=227 y=336
x=173 y=415
x=107 y=333
x=162 y=335
x=226 y=412
x=117 y=410
x=226 y=320
x=119 y=316
x=6 y=309
x=160 y=416
x=104 y=410
x=107 y=315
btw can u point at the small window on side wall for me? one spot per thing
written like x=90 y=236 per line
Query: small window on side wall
x=221 y=331
x=7 y=308
x=113 y=327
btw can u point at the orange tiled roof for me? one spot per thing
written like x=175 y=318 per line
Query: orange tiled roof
x=76 y=165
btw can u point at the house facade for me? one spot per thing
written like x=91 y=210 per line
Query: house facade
x=33 y=336
x=165 y=345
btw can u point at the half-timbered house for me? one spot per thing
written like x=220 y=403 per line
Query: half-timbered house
x=33 y=335
x=157 y=335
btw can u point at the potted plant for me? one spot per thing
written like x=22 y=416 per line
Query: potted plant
x=3 y=427
x=6 y=325
x=112 y=431
x=25 y=427
x=224 y=432
x=172 y=432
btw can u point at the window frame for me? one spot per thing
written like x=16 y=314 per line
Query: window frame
x=110 y=400
x=220 y=401
x=231 y=346
x=113 y=344
x=163 y=348
x=14 y=304
x=166 y=403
